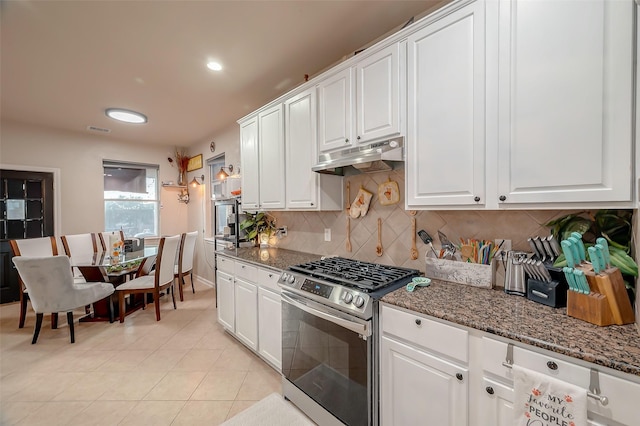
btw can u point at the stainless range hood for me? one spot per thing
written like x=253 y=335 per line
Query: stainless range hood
x=371 y=158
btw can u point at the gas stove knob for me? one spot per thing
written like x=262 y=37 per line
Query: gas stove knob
x=283 y=277
x=348 y=297
x=359 y=302
x=291 y=279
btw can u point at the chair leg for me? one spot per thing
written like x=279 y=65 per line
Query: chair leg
x=111 y=310
x=121 y=305
x=180 y=287
x=23 y=311
x=156 y=301
x=54 y=321
x=173 y=294
x=71 y=330
x=36 y=330
x=193 y=289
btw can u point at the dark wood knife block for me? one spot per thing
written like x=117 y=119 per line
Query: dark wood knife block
x=608 y=302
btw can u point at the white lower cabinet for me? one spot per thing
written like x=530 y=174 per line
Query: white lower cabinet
x=418 y=388
x=247 y=313
x=429 y=376
x=270 y=327
x=226 y=300
x=249 y=307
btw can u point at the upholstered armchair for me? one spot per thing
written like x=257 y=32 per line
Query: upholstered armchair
x=52 y=289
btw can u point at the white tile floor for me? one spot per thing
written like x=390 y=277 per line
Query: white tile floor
x=182 y=370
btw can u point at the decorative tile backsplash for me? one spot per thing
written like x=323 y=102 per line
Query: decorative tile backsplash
x=306 y=229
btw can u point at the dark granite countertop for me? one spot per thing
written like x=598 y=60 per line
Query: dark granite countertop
x=274 y=258
x=519 y=319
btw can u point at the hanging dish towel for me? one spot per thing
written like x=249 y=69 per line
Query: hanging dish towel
x=544 y=401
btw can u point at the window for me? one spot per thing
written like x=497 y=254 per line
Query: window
x=131 y=199
x=217 y=185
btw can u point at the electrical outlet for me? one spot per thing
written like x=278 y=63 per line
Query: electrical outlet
x=282 y=231
x=327 y=234
x=506 y=244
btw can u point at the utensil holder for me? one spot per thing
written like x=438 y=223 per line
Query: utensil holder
x=608 y=302
x=473 y=274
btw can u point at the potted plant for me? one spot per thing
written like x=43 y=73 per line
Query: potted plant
x=257 y=224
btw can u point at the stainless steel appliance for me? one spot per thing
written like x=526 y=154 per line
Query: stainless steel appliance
x=370 y=158
x=228 y=215
x=330 y=337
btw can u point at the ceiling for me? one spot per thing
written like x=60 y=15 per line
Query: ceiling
x=64 y=62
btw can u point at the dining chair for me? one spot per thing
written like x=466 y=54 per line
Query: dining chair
x=52 y=289
x=33 y=247
x=162 y=279
x=79 y=245
x=184 y=265
x=104 y=238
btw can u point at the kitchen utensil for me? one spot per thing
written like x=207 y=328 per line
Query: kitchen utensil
x=568 y=253
x=575 y=249
x=379 y=246
x=528 y=266
x=418 y=282
x=534 y=248
x=595 y=259
x=348 y=197
x=581 y=250
x=547 y=249
x=568 y=274
x=554 y=245
x=414 y=250
x=544 y=273
x=581 y=279
x=426 y=238
x=538 y=243
x=348 y=243
x=448 y=247
x=514 y=282
x=605 y=251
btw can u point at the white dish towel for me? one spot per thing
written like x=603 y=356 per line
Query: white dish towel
x=545 y=401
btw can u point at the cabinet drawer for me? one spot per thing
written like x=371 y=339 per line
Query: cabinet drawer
x=495 y=352
x=438 y=337
x=269 y=279
x=623 y=396
x=246 y=271
x=225 y=264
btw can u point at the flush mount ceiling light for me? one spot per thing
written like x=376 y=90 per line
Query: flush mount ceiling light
x=214 y=66
x=126 y=115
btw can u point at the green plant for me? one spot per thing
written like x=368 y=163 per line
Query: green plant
x=614 y=225
x=258 y=223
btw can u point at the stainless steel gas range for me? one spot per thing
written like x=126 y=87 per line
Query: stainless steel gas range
x=330 y=337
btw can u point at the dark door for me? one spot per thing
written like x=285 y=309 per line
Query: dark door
x=26 y=211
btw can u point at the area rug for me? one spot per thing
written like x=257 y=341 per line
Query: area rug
x=273 y=410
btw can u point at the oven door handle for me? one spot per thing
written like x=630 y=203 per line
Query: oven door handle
x=356 y=327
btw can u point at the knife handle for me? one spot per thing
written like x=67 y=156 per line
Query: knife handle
x=540 y=248
x=582 y=281
x=601 y=257
x=568 y=274
x=575 y=250
x=605 y=251
x=534 y=248
x=595 y=260
x=568 y=253
x=547 y=248
x=581 y=250
x=554 y=245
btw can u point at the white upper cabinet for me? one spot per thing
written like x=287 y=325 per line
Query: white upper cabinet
x=374 y=83
x=565 y=101
x=249 y=151
x=335 y=114
x=272 y=172
x=377 y=95
x=306 y=189
x=446 y=111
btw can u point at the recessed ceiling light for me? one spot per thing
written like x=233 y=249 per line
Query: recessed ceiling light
x=126 y=115
x=214 y=66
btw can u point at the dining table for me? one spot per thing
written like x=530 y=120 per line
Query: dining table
x=103 y=267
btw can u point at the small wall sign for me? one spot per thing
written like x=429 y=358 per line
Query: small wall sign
x=195 y=163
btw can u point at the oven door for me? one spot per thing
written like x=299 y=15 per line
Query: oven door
x=327 y=354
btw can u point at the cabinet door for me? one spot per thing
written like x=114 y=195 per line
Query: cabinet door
x=270 y=327
x=446 y=111
x=249 y=152
x=377 y=95
x=335 y=111
x=417 y=388
x=496 y=403
x=301 y=150
x=247 y=313
x=565 y=96
x=271 y=131
x=226 y=300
